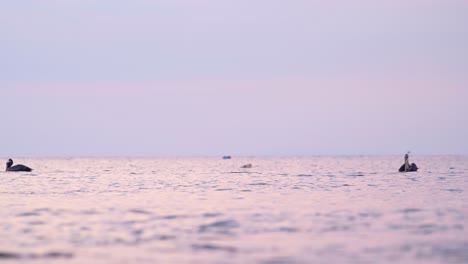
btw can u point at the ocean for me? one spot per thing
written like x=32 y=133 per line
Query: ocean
x=356 y=209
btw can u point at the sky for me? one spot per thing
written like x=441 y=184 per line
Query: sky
x=246 y=78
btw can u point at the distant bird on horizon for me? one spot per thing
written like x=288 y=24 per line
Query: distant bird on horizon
x=247 y=166
x=407 y=167
x=19 y=167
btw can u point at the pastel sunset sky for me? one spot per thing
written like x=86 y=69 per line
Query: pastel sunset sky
x=211 y=77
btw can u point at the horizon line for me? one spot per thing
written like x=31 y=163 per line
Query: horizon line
x=221 y=156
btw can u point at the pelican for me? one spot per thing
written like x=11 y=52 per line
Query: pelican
x=19 y=167
x=407 y=166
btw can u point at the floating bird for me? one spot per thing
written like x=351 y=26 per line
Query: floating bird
x=247 y=166
x=407 y=167
x=19 y=167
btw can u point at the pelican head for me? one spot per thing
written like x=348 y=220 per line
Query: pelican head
x=9 y=163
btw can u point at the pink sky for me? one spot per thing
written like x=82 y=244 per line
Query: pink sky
x=241 y=77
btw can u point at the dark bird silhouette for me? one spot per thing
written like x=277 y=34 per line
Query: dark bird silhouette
x=407 y=167
x=19 y=167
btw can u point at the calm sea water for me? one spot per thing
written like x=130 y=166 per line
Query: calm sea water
x=209 y=210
